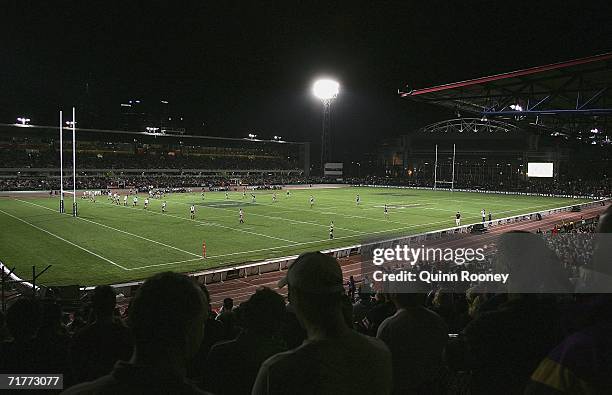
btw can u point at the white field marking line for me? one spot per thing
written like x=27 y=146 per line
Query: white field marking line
x=293 y=245
x=502 y=202
x=298 y=244
x=564 y=201
x=115 y=229
x=64 y=240
x=203 y=222
x=285 y=219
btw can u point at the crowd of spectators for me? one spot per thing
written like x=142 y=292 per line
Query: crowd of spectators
x=408 y=338
x=574 y=186
x=144 y=181
x=93 y=159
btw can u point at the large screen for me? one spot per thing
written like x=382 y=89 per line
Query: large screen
x=540 y=169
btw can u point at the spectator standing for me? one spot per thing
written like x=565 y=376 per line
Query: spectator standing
x=416 y=337
x=334 y=359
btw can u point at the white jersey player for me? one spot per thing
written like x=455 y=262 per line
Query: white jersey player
x=274 y=197
x=146 y=203
x=135 y=201
x=192 y=211
x=241 y=216
x=163 y=207
x=483 y=214
x=125 y=200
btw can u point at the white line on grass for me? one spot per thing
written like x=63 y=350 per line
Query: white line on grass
x=203 y=222
x=64 y=240
x=115 y=229
x=277 y=218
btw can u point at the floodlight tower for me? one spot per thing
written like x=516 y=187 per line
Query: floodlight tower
x=326 y=90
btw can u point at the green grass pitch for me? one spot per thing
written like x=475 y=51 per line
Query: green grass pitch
x=113 y=244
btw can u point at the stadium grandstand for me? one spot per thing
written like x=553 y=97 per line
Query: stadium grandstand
x=124 y=159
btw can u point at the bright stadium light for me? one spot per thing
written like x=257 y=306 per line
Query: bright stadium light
x=23 y=121
x=252 y=136
x=151 y=129
x=516 y=107
x=326 y=89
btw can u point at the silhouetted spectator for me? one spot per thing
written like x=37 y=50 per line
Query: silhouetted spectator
x=54 y=342
x=382 y=309
x=416 y=337
x=352 y=288
x=213 y=333
x=503 y=347
x=360 y=309
x=228 y=318
x=334 y=359
x=21 y=353
x=166 y=318
x=262 y=315
x=98 y=346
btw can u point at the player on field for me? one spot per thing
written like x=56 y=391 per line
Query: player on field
x=331 y=230
x=386 y=211
x=483 y=213
x=192 y=211
x=252 y=198
x=164 y=207
x=311 y=201
x=125 y=200
x=146 y=203
x=357 y=199
x=226 y=196
x=110 y=195
x=458 y=219
x=244 y=194
x=116 y=198
x=288 y=193
x=490 y=216
x=274 y=197
x=202 y=194
x=241 y=216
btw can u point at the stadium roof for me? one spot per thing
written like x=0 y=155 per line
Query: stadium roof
x=571 y=95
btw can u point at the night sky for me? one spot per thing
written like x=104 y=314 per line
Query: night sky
x=237 y=67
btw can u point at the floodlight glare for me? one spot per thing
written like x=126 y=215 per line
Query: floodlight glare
x=326 y=89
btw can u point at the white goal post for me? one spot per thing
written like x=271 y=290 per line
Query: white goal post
x=436 y=181
x=62 y=208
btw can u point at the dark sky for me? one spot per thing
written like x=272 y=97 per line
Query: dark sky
x=238 y=66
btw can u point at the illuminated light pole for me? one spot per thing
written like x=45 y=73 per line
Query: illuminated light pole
x=326 y=90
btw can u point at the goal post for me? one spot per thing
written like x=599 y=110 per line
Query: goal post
x=436 y=181
x=62 y=207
